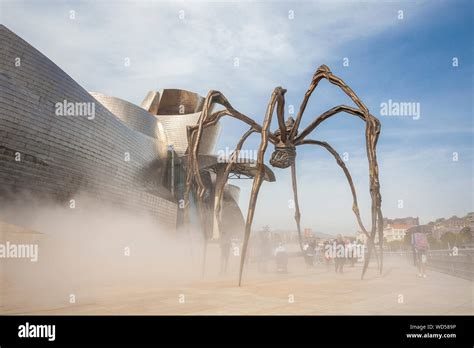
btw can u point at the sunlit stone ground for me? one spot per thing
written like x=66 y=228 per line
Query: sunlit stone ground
x=301 y=291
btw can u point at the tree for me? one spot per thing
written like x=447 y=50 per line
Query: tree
x=434 y=243
x=449 y=239
x=466 y=235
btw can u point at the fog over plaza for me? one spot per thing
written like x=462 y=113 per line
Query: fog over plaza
x=245 y=50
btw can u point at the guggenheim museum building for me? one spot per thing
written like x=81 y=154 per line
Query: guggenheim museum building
x=59 y=141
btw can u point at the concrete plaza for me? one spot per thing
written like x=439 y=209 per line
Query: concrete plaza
x=301 y=291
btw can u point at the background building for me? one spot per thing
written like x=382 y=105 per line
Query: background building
x=394 y=229
x=395 y=232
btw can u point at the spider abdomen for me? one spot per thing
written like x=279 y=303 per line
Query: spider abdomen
x=283 y=156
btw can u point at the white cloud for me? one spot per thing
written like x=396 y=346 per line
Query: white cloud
x=196 y=52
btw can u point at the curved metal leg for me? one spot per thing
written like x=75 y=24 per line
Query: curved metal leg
x=220 y=186
x=194 y=136
x=297 y=205
x=277 y=97
x=257 y=182
x=372 y=133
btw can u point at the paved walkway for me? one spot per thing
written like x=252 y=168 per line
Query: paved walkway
x=301 y=291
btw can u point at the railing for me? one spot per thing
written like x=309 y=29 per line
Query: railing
x=458 y=262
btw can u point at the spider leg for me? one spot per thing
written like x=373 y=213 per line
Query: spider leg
x=220 y=186
x=194 y=135
x=297 y=205
x=193 y=168
x=194 y=141
x=277 y=97
x=257 y=182
x=318 y=75
x=324 y=116
x=323 y=72
x=372 y=133
x=193 y=171
x=340 y=162
x=281 y=116
x=189 y=186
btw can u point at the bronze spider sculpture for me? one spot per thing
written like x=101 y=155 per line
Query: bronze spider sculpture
x=285 y=140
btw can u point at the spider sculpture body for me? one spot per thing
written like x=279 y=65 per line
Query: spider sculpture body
x=285 y=140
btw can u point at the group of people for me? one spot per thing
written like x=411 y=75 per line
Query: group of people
x=341 y=251
x=265 y=249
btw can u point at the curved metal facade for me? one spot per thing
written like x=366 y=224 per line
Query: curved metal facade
x=176 y=109
x=62 y=156
x=117 y=154
x=136 y=118
x=175 y=128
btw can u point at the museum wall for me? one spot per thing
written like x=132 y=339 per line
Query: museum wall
x=50 y=155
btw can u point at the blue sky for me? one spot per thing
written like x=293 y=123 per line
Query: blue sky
x=405 y=60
